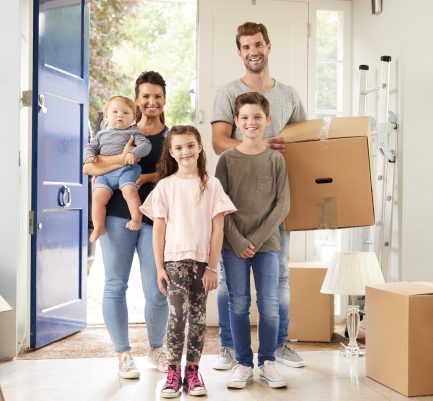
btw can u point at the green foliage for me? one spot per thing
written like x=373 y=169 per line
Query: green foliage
x=154 y=35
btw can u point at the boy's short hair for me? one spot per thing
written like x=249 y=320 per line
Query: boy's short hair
x=129 y=102
x=249 y=29
x=252 y=98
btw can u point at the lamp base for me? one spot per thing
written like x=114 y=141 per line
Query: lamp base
x=352 y=349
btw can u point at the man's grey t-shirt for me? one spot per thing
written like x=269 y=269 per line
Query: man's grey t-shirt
x=285 y=106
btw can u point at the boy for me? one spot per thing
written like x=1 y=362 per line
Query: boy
x=119 y=116
x=255 y=178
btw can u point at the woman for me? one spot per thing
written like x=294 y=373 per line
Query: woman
x=118 y=244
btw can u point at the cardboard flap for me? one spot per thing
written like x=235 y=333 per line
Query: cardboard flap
x=344 y=127
x=337 y=127
x=407 y=288
x=308 y=130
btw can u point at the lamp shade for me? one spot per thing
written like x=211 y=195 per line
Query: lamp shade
x=350 y=272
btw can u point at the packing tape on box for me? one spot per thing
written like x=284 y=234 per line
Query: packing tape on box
x=324 y=130
x=326 y=212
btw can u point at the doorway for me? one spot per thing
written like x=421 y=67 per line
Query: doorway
x=145 y=40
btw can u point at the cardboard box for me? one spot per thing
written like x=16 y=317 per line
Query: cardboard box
x=311 y=314
x=399 y=336
x=329 y=174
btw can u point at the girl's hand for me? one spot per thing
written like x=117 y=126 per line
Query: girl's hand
x=163 y=281
x=210 y=280
x=249 y=252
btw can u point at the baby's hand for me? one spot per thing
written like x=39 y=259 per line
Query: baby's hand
x=91 y=159
x=131 y=159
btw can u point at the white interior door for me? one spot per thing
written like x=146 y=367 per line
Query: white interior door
x=219 y=63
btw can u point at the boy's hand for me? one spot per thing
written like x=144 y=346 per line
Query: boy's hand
x=91 y=159
x=163 y=280
x=249 y=252
x=131 y=159
x=276 y=143
x=210 y=280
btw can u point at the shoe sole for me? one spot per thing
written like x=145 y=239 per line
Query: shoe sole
x=270 y=384
x=240 y=384
x=202 y=391
x=129 y=375
x=292 y=364
x=158 y=367
x=170 y=395
x=227 y=366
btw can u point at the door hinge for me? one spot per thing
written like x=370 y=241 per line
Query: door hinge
x=31 y=222
x=26 y=98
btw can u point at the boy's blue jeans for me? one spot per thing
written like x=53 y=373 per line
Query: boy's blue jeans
x=284 y=297
x=266 y=278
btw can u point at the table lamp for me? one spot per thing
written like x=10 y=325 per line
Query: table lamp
x=348 y=274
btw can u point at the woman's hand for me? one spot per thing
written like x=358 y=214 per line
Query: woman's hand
x=131 y=159
x=129 y=147
x=91 y=159
x=163 y=280
x=210 y=280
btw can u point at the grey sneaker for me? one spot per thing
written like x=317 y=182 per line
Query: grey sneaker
x=289 y=357
x=127 y=368
x=241 y=376
x=225 y=359
x=269 y=375
x=157 y=358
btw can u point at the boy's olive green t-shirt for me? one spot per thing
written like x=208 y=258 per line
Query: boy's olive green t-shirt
x=258 y=186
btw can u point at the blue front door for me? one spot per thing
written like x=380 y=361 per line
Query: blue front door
x=59 y=189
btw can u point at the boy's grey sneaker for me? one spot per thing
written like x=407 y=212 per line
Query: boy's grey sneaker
x=241 y=376
x=269 y=374
x=225 y=359
x=288 y=357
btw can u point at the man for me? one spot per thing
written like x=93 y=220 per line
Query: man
x=285 y=107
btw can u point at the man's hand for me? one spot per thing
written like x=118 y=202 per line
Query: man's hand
x=249 y=252
x=131 y=159
x=210 y=280
x=91 y=159
x=276 y=143
x=129 y=147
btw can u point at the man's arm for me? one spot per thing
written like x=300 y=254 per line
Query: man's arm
x=222 y=137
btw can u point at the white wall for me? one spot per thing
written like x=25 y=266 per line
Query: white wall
x=404 y=31
x=15 y=170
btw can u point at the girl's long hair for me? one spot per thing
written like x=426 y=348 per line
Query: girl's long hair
x=167 y=165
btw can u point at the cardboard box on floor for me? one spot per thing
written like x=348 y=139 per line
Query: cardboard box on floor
x=330 y=179
x=311 y=314
x=399 y=336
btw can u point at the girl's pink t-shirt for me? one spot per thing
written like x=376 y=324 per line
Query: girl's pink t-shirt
x=187 y=215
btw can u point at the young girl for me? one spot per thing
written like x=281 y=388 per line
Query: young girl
x=255 y=178
x=188 y=208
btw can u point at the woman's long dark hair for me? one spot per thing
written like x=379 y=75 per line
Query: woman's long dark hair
x=167 y=165
x=149 y=77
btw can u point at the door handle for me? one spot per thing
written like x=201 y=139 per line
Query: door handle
x=65 y=197
x=41 y=104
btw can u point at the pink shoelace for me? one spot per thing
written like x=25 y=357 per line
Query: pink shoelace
x=173 y=379
x=193 y=377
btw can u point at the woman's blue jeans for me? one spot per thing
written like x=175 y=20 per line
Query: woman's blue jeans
x=118 y=245
x=266 y=278
x=223 y=298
